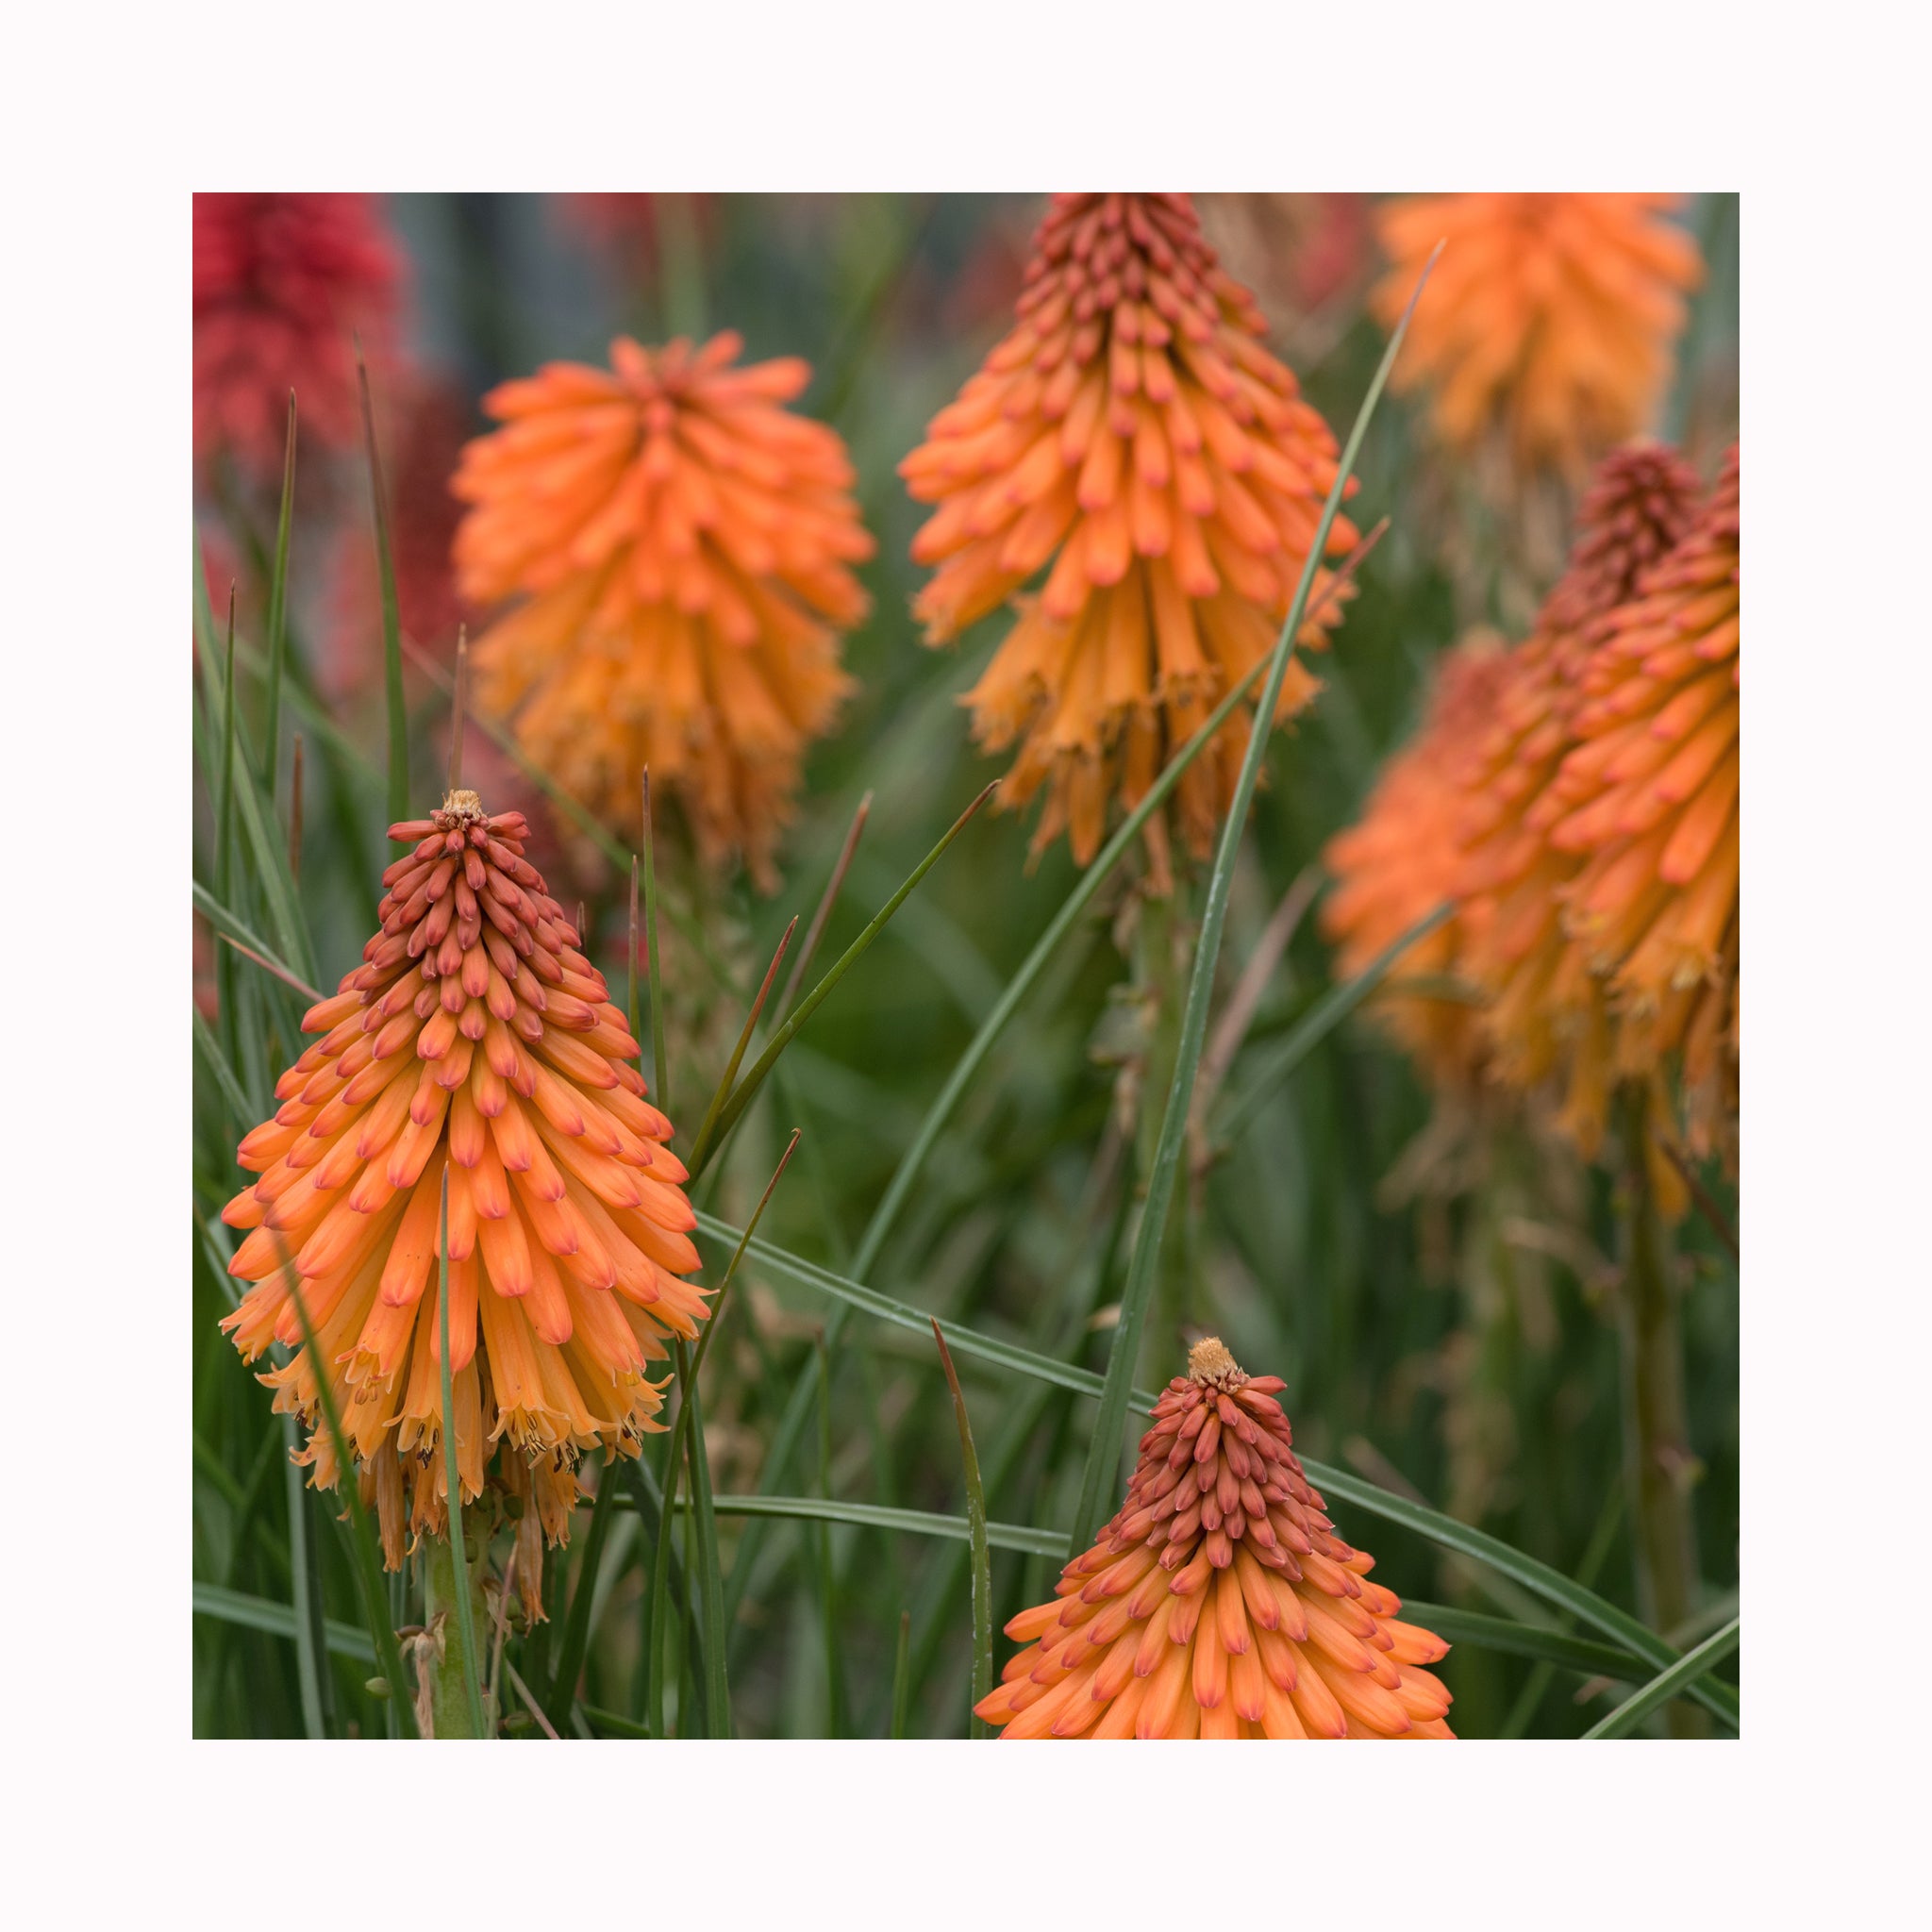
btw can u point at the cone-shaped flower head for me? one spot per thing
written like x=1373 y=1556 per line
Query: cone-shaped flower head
x=1133 y=430
x=1402 y=859
x=1548 y=322
x=473 y=1039
x=1543 y=1009
x=1219 y=1603
x=280 y=281
x=1651 y=791
x=684 y=544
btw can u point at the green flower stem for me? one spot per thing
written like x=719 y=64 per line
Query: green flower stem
x=1656 y=1429
x=450 y=1689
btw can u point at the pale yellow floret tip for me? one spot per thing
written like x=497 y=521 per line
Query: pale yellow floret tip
x=1210 y=1361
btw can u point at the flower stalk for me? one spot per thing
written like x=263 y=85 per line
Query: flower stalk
x=439 y=1656
x=1659 y=1466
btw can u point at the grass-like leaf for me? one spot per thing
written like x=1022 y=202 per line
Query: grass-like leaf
x=611 y=1723
x=710 y=1574
x=241 y=1112
x=999 y=1536
x=278 y=613
x=748 y=1088
x=713 y=1609
x=577 y=1629
x=247 y=941
x=723 y=1092
x=468 y=1660
x=902 y=1315
x=1667 y=1684
x=1551 y=1585
x=365 y=1555
x=391 y=619
x=1316 y=1024
x=231 y=730
x=311 y=1638
x=902 y=1674
x=257 y=1613
x=286 y=924
x=668 y=1575
x=661 y=1092
x=975 y=1525
x=1482 y=1631
x=301 y=707
x=274 y=968
x=1101 y=1475
x=827 y=899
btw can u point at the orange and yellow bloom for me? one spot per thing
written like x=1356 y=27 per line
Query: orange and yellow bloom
x=1651 y=792
x=1548 y=323
x=1132 y=433
x=1219 y=1602
x=474 y=1040
x=1577 y=802
x=1545 y=1010
x=683 y=544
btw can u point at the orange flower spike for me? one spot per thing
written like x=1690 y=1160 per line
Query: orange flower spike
x=684 y=546
x=1219 y=1602
x=1132 y=433
x=1651 y=791
x=567 y=1229
x=1542 y=1005
x=1403 y=859
x=1549 y=320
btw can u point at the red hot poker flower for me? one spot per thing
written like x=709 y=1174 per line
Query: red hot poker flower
x=1132 y=431
x=474 y=1039
x=1219 y=1602
x=1545 y=1010
x=280 y=282
x=1651 y=790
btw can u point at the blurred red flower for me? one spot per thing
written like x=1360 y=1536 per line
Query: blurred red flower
x=280 y=281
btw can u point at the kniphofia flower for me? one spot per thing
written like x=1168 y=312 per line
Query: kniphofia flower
x=1545 y=1011
x=1133 y=431
x=1549 y=321
x=1219 y=1602
x=1652 y=791
x=683 y=544
x=474 y=1039
x=280 y=283
x=1401 y=858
